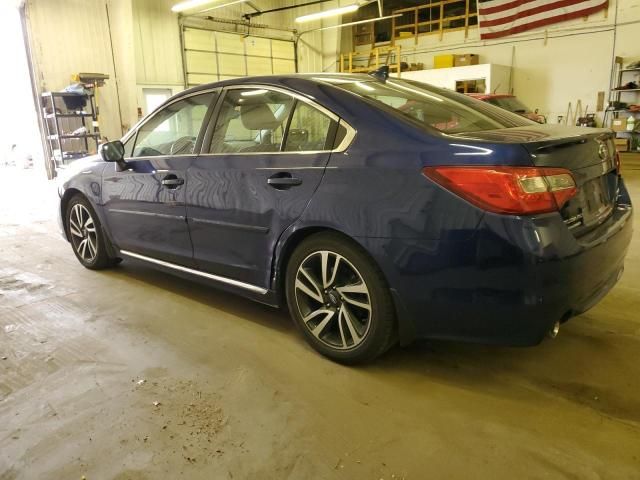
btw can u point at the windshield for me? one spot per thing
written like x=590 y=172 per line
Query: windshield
x=441 y=109
x=509 y=103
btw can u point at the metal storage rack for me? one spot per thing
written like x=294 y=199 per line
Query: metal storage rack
x=61 y=121
x=632 y=95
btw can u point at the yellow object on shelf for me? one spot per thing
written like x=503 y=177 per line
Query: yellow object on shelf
x=443 y=61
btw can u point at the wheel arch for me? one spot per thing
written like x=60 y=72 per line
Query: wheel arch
x=69 y=193
x=64 y=202
x=287 y=245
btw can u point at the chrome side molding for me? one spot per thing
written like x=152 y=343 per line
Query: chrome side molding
x=209 y=276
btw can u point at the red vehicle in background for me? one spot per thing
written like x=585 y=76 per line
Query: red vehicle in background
x=510 y=103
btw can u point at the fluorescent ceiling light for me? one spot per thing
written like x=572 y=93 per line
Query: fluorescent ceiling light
x=193 y=4
x=188 y=5
x=351 y=23
x=334 y=12
x=221 y=5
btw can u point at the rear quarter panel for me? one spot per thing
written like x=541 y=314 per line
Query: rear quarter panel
x=376 y=187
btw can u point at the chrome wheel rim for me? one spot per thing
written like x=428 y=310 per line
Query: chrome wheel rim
x=333 y=300
x=83 y=233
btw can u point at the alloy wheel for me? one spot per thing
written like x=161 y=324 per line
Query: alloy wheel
x=83 y=233
x=333 y=300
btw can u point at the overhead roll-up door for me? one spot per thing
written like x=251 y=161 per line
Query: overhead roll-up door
x=212 y=56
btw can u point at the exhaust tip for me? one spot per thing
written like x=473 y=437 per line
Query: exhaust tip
x=553 y=332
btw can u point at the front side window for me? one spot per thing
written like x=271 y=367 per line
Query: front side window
x=173 y=130
x=434 y=107
x=309 y=130
x=251 y=120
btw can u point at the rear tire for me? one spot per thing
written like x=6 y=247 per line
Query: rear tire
x=339 y=299
x=85 y=234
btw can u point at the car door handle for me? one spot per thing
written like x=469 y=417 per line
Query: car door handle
x=283 y=180
x=171 y=181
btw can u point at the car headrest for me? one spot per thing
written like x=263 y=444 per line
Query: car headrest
x=258 y=117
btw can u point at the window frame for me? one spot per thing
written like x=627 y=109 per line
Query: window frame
x=217 y=94
x=208 y=137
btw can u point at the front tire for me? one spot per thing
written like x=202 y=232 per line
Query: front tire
x=85 y=234
x=339 y=299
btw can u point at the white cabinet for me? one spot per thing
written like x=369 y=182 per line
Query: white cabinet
x=496 y=77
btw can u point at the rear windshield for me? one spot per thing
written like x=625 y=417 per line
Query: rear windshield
x=509 y=103
x=441 y=109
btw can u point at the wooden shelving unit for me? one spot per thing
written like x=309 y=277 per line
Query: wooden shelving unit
x=363 y=34
x=363 y=62
x=434 y=17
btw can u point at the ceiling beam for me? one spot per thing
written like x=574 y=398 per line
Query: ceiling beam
x=249 y=16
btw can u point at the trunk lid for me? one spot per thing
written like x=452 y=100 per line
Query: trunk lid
x=588 y=153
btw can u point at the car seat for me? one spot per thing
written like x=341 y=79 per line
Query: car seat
x=260 y=117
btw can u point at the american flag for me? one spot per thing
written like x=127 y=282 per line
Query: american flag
x=499 y=18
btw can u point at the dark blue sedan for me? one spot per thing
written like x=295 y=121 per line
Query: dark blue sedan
x=378 y=210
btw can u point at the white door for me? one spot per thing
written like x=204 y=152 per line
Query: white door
x=212 y=56
x=154 y=97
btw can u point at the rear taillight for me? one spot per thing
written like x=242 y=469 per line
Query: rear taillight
x=512 y=190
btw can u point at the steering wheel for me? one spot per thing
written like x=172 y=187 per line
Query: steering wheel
x=183 y=145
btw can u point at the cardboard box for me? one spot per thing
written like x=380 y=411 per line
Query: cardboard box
x=466 y=59
x=619 y=124
x=443 y=61
x=622 y=144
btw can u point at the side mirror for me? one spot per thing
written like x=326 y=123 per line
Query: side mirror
x=112 y=152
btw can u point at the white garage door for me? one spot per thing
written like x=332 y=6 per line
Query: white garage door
x=211 y=56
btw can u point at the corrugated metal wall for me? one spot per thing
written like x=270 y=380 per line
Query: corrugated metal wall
x=157 y=43
x=122 y=26
x=70 y=37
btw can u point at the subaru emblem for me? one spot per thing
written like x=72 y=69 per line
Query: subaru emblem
x=603 y=151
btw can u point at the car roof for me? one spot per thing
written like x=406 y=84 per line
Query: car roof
x=283 y=80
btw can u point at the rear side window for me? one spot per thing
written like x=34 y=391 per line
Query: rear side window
x=433 y=107
x=309 y=130
x=251 y=120
x=509 y=103
x=174 y=129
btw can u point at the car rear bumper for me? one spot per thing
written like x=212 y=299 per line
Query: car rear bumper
x=508 y=283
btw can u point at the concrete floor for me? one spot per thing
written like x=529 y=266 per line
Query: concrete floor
x=134 y=374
